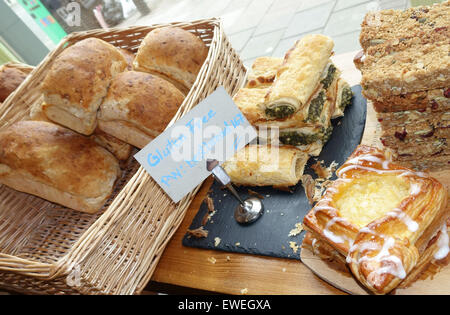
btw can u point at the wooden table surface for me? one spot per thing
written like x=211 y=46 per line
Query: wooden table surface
x=191 y=268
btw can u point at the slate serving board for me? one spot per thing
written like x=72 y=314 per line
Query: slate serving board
x=269 y=236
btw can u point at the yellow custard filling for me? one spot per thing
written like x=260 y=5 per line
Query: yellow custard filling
x=366 y=199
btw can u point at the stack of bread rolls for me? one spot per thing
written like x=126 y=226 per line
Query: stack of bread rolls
x=99 y=102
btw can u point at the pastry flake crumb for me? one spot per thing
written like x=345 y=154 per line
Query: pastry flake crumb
x=199 y=232
x=211 y=210
x=217 y=241
x=210 y=204
x=309 y=186
x=294 y=246
x=320 y=170
x=244 y=291
x=298 y=229
x=255 y=194
x=212 y=260
x=228 y=258
x=324 y=172
x=284 y=269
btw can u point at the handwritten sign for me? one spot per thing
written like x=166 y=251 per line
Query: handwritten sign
x=214 y=129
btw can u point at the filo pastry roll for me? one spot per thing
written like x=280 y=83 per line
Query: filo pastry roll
x=298 y=77
x=307 y=131
x=263 y=72
x=257 y=165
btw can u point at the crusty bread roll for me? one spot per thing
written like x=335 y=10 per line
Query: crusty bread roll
x=138 y=107
x=129 y=57
x=78 y=81
x=172 y=53
x=120 y=149
x=10 y=79
x=57 y=164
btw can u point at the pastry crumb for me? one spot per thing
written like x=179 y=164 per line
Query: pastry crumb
x=309 y=186
x=210 y=203
x=284 y=269
x=298 y=229
x=199 y=232
x=212 y=260
x=217 y=241
x=256 y=194
x=228 y=258
x=244 y=291
x=294 y=246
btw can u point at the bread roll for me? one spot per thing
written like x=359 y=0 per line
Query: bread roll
x=174 y=54
x=120 y=149
x=10 y=79
x=57 y=164
x=129 y=57
x=138 y=107
x=78 y=81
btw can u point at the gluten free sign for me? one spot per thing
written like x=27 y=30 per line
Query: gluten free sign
x=214 y=129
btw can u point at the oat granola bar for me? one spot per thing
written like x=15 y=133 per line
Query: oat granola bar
x=424 y=24
x=434 y=100
x=421 y=68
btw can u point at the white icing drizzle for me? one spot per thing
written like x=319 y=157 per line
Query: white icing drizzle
x=396 y=268
x=443 y=244
x=367 y=168
x=333 y=237
x=402 y=216
x=368 y=158
x=414 y=189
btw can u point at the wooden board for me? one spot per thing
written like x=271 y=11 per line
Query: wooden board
x=438 y=284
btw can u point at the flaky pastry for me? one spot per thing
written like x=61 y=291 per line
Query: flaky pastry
x=380 y=216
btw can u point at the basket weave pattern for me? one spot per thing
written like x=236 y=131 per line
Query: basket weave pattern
x=48 y=250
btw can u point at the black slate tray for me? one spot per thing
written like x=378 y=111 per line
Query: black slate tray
x=269 y=235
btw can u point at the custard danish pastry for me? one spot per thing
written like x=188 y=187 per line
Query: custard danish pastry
x=381 y=217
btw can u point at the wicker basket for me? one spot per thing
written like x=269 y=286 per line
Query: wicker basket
x=45 y=249
x=18 y=65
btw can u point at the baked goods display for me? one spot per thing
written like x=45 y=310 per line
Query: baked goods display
x=258 y=165
x=78 y=81
x=405 y=68
x=386 y=221
x=173 y=54
x=138 y=107
x=57 y=164
x=10 y=79
x=92 y=89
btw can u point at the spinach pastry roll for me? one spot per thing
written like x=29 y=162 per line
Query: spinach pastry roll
x=299 y=77
x=257 y=165
x=344 y=97
x=263 y=72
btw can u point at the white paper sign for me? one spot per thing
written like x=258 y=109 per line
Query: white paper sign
x=214 y=129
